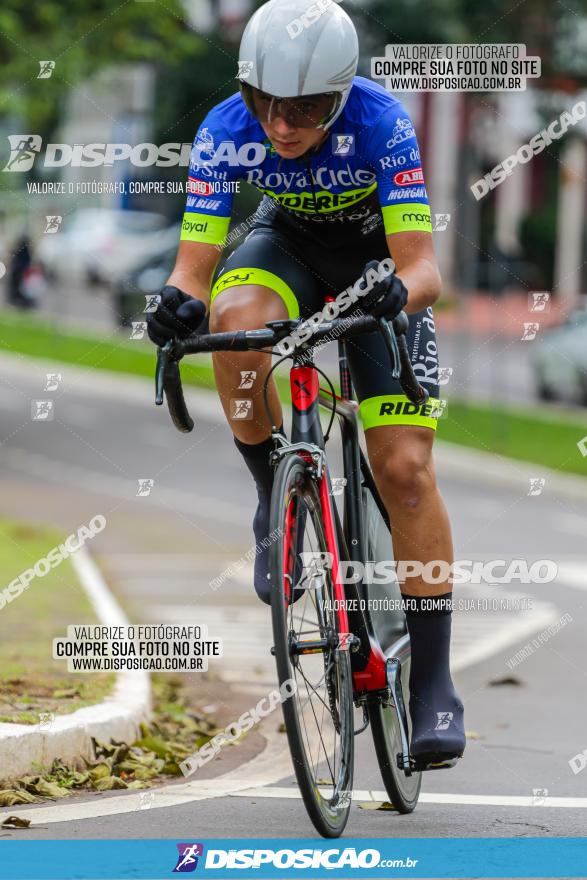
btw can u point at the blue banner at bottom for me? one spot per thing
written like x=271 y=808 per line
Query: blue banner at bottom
x=281 y=857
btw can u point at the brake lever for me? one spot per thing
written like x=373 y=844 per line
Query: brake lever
x=163 y=355
x=390 y=340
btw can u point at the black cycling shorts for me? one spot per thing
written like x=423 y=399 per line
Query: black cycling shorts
x=302 y=273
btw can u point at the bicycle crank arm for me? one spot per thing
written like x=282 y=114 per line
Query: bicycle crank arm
x=394 y=678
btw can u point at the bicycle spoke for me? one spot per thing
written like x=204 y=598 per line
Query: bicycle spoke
x=317 y=719
x=322 y=742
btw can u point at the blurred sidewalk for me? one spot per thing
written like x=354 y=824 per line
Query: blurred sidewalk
x=483 y=315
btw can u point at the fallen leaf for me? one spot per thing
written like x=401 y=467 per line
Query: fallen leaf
x=153 y=744
x=100 y=771
x=472 y=734
x=506 y=680
x=43 y=788
x=15 y=822
x=11 y=796
x=66 y=693
x=376 y=805
x=110 y=783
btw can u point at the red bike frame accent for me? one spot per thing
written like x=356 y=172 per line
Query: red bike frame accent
x=304 y=386
x=288 y=550
x=374 y=676
x=330 y=534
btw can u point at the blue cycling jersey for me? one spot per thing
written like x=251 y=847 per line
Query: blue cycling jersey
x=366 y=172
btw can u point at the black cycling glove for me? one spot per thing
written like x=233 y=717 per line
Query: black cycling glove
x=386 y=298
x=177 y=315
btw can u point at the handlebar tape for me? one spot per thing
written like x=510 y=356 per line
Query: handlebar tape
x=175 y=399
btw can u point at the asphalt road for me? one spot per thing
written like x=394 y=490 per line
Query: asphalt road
x=160 y=551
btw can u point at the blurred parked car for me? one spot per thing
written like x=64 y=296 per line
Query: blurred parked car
x=89 y=238
x=116 y=257
x=131 y=290
x=560 y=361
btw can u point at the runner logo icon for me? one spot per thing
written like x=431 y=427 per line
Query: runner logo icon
x=23 y=151
x=187 y=861
x=444 y=719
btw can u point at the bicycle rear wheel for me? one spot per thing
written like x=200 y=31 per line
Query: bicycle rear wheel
x=318 y=715
x=403 y=791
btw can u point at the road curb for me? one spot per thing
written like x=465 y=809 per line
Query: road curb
x=496 y=470
x=69 y=737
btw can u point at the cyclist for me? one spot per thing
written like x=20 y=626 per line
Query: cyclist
x=337 y=161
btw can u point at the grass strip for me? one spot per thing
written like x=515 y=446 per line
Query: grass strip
x=31 y=682
x=543 y=437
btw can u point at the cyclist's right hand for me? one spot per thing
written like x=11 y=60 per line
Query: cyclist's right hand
x=177 y=315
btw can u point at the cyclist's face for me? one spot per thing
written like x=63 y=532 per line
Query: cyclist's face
x=290 y=124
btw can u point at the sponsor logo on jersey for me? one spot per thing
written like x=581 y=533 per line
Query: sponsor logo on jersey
x=208 y=204
x=193 y=226
x=206 y=171
x=200 y=187
x=324 y=178
x=321 y=202
x=407 y=178
x=412 y=192
x=389 y=408
x=233 y=278
x=417 y=218
x=402 y=131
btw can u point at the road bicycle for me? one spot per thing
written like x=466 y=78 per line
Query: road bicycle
x=327 y=640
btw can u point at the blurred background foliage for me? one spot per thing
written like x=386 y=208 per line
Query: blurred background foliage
x=82 y=38
x=197 y=70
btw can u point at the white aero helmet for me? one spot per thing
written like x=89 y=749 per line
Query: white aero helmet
x=295 y=48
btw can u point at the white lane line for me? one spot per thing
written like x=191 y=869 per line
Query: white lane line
x=481 y=800
x=181 y=795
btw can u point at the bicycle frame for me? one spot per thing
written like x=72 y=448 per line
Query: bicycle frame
x=368 y=661
x=376 y=677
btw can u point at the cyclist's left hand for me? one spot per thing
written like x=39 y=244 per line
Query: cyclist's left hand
x=386 y=298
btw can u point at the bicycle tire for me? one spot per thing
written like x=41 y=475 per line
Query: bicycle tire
x=328 y=815
x=403 y=791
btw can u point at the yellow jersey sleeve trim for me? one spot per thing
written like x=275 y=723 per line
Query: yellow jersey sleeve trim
x=204 y=227
x=407 y=217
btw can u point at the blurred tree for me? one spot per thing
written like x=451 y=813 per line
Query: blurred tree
x=186 y=91
x=80 y=38
x=543 y=25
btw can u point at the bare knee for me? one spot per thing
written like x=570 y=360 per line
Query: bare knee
x=245 y=308
x=405 y=477
x=228 y=315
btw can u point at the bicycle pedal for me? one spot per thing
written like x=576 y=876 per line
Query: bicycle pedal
x=433 y=762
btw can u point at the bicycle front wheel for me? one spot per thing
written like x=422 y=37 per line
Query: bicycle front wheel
x=313 y=666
